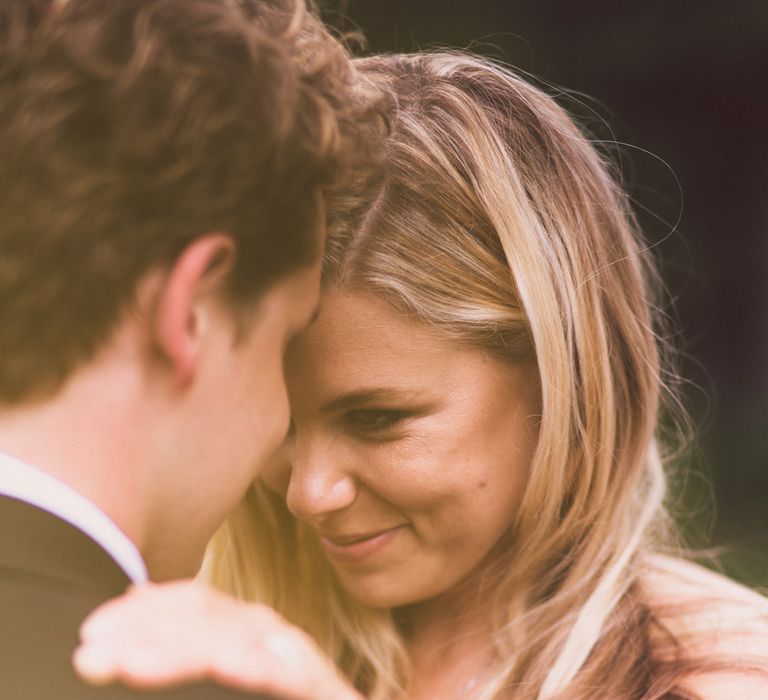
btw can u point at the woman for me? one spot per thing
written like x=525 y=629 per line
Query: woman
x=470 y=502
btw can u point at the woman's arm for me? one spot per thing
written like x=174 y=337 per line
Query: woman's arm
x=159 y=635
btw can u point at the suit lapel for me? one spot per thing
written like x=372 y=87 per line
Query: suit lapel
x=35 y=541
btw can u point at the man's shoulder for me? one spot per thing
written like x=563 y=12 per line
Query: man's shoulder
x=51 y=578
x=41 y=618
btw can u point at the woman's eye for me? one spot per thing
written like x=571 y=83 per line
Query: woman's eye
x=374 y=420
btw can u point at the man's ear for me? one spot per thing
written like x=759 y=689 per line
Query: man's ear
x=193 y=279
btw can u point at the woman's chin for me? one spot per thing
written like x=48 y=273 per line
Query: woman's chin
x=379 y=591
x=387 y=592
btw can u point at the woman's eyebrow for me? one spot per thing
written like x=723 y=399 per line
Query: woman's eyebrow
x=372 y=395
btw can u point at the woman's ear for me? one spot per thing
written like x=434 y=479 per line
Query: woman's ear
x=183 y=299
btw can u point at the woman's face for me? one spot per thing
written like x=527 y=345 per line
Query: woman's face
x=409 y=453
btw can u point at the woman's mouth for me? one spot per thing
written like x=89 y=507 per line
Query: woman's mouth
x=356 y=548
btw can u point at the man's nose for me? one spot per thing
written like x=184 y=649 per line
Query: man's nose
x=321 y=481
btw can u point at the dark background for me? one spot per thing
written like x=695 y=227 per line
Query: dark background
x=684 y=85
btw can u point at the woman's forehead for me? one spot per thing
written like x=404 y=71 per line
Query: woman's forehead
x=362 y=350
x=356 y=328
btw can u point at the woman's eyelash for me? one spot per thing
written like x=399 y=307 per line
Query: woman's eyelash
x=371 y=420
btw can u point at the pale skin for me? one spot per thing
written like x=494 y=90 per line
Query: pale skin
x=409 y=455
x=180 y=452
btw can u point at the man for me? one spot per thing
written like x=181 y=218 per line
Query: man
x=162 y=164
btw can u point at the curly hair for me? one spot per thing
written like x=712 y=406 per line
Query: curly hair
x=127 y=129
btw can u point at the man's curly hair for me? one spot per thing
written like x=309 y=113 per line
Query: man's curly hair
x=128 y=129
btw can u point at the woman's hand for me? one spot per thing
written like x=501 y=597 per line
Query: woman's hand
x=158 y=635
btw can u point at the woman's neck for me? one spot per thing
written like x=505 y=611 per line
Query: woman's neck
x=449 y=642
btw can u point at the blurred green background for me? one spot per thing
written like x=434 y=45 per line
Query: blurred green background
x=683 y=84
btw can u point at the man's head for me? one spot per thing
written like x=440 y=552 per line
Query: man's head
x=161 y=179
x=128 y=130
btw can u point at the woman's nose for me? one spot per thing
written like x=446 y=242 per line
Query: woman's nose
x=319 y=483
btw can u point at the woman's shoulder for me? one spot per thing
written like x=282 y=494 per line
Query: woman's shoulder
x=676 y=580
x=721 y=625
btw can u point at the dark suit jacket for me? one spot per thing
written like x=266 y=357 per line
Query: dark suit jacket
x=51 y=577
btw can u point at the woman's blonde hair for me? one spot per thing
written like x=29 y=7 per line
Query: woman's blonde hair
x=495 y=221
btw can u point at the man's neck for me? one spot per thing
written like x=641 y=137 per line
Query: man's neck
x=82 y=437
x=26 y=484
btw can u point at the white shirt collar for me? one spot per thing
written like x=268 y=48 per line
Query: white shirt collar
x=31 y=485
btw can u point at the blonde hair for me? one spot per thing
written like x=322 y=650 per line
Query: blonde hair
x=494 y=220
